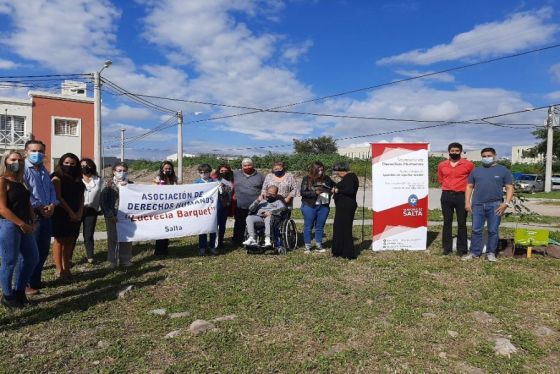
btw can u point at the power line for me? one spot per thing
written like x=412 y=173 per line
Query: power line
x=420 y=76
x=477 y=121
x=136 y=98
x=42 y=76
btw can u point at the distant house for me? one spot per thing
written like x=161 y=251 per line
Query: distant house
x=64 y=122
x=173 y=157
x=520 y=155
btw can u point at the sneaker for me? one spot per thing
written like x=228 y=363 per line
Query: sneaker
x=321 y=250
x=126 y=264
x=267 y=242
x=11 y=302
x=491 y=257
x=250 y=241
x=468 y=257
x=90 y=260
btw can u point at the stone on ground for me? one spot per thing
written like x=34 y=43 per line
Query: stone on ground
x=503 y=347
x=200 y=326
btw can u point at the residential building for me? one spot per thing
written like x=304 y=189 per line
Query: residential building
x=519 y=155
x=64 y=122
x=15 y=123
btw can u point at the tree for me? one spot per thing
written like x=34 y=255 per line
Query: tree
x=320 y=145
x=540 y=149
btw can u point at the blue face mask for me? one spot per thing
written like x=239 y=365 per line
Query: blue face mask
x=35 y=158
x=279 y=173
x=487 y=161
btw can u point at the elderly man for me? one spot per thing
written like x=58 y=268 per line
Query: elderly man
x=247 y=184
x=262 y=210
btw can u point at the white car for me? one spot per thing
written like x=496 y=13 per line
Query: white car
x=555 y=179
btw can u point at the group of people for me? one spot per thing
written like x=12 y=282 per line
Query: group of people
x=36 y=206
x=478 y=191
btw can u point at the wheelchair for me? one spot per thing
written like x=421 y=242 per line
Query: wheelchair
x=284 y=235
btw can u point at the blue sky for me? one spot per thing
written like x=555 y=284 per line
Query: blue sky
x=263 y=54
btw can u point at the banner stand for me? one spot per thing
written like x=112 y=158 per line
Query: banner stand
x=400 y=196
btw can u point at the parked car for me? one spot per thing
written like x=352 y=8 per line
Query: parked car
x=555 y=179
x=529 y=183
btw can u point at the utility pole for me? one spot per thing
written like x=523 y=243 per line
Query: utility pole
x=97 y=136
x=5 y=131
x=97 y=120
x=550 y=124
x=180 y=147
x=122 y=145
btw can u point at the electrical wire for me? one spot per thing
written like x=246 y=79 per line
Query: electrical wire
x=136 y=98
x=368 y=88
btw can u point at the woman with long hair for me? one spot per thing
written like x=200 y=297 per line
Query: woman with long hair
x=225 y=195
x=16 y=231
x=166 y=176
x=93 y=185
x=315 y=199
x=67 y=217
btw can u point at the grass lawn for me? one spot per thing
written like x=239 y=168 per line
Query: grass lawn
x=385 y=312
x=433 y=215
x=544 y=195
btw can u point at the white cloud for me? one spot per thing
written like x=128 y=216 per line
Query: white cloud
x=555 y=72
x=420 y=101
x=232 y=62
x=7 y=64
x=517 y=32
x=62 y=35
x=553 y=95
x=293 y=52
x=126 y=112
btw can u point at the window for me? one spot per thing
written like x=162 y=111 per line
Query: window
x=65 y=127
x=12 y=130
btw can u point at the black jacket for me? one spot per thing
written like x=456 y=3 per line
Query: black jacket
x=308 y=194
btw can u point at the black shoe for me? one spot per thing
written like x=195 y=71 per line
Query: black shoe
x=22 y=298
x=11 y=302
x=447 y=253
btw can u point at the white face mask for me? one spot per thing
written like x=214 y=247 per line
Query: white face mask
x=487 y=161
x=121 y=175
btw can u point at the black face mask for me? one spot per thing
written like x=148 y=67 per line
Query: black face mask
x=454 y=156
x=86 y=170
x=271 y=199
x=70 y=170
x=168 y=173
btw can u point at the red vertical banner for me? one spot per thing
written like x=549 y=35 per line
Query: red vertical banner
x=400 y=196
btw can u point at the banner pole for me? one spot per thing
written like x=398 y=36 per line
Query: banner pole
x=364 y=204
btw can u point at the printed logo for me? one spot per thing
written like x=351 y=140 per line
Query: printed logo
x=414 y=211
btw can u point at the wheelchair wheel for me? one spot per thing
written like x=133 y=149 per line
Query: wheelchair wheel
x=289 y=235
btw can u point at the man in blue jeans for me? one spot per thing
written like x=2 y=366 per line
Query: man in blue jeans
x=484 y=199
x=43 y=201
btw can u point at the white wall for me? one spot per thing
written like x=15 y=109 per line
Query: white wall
x=61 y=144
x=21 y=108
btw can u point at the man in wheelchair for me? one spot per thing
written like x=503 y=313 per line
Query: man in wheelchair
x=264 y=210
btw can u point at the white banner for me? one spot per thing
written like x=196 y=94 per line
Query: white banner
x=400 y=196
x=149 y=212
